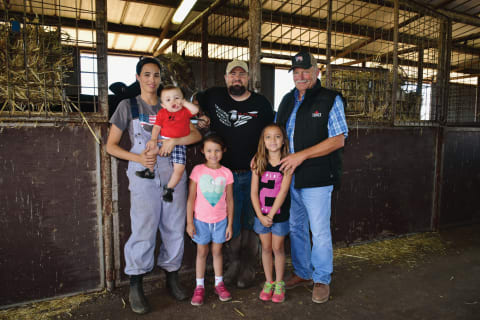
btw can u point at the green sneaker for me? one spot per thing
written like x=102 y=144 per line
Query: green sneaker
x=279 y=293
x=267 y=291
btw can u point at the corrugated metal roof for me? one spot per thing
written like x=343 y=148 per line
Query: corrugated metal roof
x=361 y=27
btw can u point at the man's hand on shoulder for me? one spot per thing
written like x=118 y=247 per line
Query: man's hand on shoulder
x=292 y=161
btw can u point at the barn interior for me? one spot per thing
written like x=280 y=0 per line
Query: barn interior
x=409 y=71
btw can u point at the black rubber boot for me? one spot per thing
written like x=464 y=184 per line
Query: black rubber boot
x=136 y=297
x=249 y=258
x=232 y=253
x=174 y=287
x=146 y=174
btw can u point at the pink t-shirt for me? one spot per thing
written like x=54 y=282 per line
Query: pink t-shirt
x=211 y=201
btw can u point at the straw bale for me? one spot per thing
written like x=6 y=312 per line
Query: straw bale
x=34 y=66
x=369 y=94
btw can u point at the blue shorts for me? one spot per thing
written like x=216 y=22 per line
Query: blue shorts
x=280 y=229
x=209 y=232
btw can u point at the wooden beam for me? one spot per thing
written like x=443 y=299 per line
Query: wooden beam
x=164 y=31
x=254 y=44
x=190 y=25
x=275 y=17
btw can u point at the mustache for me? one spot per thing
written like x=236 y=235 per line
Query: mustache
x=302 y=81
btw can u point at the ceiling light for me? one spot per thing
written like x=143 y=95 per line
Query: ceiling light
x=183 y=11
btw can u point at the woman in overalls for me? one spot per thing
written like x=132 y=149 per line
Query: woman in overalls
x=148 y=213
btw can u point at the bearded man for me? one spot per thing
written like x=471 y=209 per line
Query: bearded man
x=238 y=115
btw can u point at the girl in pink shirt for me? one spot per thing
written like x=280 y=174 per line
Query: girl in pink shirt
x=210 y=215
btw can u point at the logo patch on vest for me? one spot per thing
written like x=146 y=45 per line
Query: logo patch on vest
x=316 y=114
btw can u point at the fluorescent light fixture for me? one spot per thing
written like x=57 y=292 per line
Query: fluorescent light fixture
x=183 y=10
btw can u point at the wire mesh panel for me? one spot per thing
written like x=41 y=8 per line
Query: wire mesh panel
x=386 y=62
x=463 y=102
x=41 y=43
x=418 y=62
x=362 y=61
x=357 y=40
x=226 y=30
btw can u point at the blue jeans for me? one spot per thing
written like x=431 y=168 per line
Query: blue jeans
x=310 y=209
x=244 y=215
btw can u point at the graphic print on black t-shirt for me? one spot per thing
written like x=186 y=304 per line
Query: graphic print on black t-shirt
x=269 y=186
x=239 y=123
x=234 y=117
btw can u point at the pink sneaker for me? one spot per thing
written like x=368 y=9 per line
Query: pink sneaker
x=267 y=292
x=279 y=294
x=222 y=292
x=198 y=294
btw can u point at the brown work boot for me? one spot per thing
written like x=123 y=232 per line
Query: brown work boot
x=295 y=281
x=321 y=293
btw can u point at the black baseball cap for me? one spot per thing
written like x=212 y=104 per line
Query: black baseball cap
x=303 y=60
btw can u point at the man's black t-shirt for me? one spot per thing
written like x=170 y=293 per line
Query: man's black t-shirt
x=239 y=123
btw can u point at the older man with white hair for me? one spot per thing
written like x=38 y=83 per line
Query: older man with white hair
x=314 y=119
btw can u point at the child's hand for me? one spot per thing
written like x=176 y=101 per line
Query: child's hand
x=228 y=233
x=182 y=102
x=167 y=147
x=191 y=230
x=271 y=215
x=266 y=221
x=151 y=145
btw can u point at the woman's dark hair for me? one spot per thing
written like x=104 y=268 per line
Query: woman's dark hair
x=215 y=138
x=145 y=60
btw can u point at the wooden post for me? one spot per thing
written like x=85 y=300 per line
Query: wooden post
x=445 y=45
x=420 y=71
x=204 y=62
x=477 y=100
x=328 y=82
x=106 y=173
x=395 y=60
x=443 y=72
x=254 y=26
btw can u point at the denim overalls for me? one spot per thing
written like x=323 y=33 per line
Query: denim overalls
x=148 y=213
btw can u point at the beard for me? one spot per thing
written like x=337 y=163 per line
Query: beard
x=237 y=90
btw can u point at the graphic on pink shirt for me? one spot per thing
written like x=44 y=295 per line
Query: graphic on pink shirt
x=270 y=177
x=212 y=189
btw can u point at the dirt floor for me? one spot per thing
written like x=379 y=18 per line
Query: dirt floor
x=424 y=276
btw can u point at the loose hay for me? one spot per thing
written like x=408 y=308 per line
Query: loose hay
x=369 y=94
x=46 y=310
x=409 y=249
x=34 y=66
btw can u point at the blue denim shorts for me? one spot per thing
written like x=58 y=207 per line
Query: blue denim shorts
x=209 y=232
x=280 y=229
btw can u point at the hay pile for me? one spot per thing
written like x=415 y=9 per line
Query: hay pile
x=47 y=309
x=34 y=66
x=409 y=250
x=369 y=95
